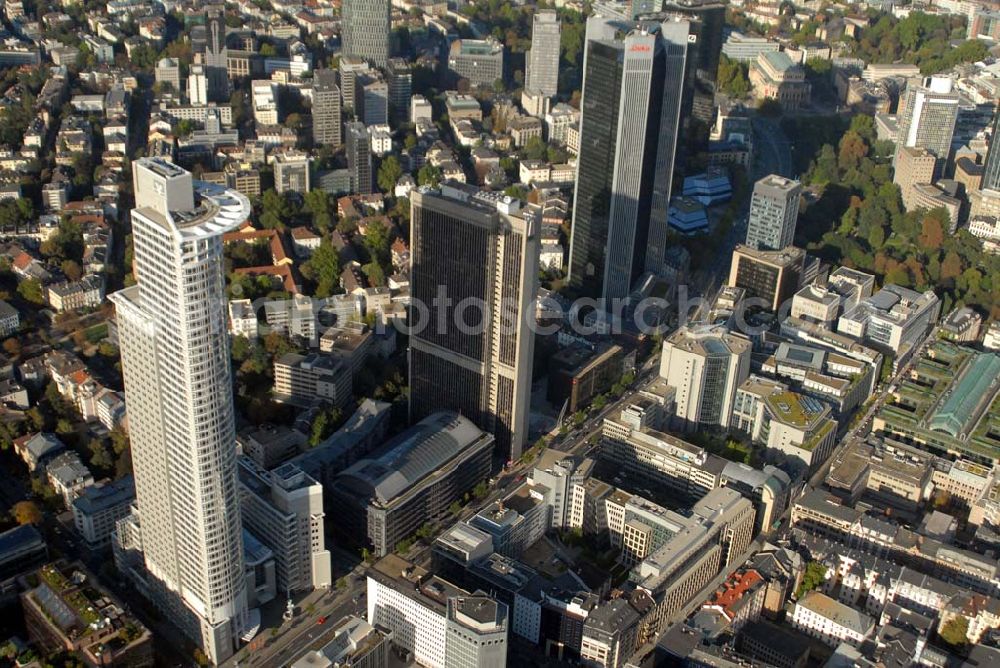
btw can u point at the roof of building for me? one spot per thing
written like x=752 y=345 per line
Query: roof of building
x=840 y=614
x=416 y=453
x=95 y=498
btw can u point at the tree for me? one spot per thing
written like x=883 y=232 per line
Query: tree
x=955 y=631
x=72 y=270
x=12 y=347
x=429 y=175
x=30 y=290
x=375 y=274
x=26 y=512
x=324 y=268
x=389 y=173
x=732 y=77
x=814 y=576
x=535 y=149
x=455 y=508
x=932 y=233
x=480 y=491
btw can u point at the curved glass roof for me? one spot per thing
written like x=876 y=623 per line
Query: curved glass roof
x=972 y=390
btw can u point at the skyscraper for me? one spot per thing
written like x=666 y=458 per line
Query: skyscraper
x=927 y=117
x=633 y=75
x=774 y=210
x=481 y=250
x=326 y=113
x=543 y=57
x=179 y=391
x=705 y=365
x=216 y=58
x=706 y=19
x=991 y=168
x=359 y=157
x=400 y=78
x=365 y=26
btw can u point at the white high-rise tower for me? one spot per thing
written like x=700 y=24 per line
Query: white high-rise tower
x=175 y=362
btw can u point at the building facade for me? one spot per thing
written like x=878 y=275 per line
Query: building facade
x=181 y=424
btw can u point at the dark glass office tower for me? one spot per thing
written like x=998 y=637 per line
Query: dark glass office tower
x=991 y=169
x=480 y=251
x=633 y=74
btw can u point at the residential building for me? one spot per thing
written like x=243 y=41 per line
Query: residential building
x=705 y=365
x=366 y=30
x=283 y=509
x=242 y=318
x=625 y=169
x=411 y=480
x=542 y=59
x=478 y=61
x=68 y=476
x=477 y=246
x=189 y=558
x=774 y=210
x=168 y=73
x=60 y=613
x=10 y=319
x=97 y=509
x=770 y=277
x=36 y=449
x=88 y=292
x=326 y=112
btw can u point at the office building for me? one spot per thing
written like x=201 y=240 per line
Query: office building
x=914 y=167
x=366 y=30
x=197 y=85
x=543 y=58
x=482 y=247
x=893 y=319
x=168 y=73
x=314 y=378
x=440 y=624
x=178 y=388
x=927 y=116
x=705 y=365
x=774 y=210
x=375 y=103
x=770 y=277
x=283 y=509
x=706 y=21
x=651 y=458
x=355 y=644
x=796 y=429
x=291 y=171
x=577 y=374
x=359 y=158
x=628 y=131
x=385 y=497
x=478 y=61
x=400 y=78
x=326 y=111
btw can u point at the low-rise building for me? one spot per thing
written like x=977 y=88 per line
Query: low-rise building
x=97 y=509
x=68 y=476
x=831 y=621
x=305 y=379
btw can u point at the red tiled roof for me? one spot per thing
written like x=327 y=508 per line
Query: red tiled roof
x=733 y=589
